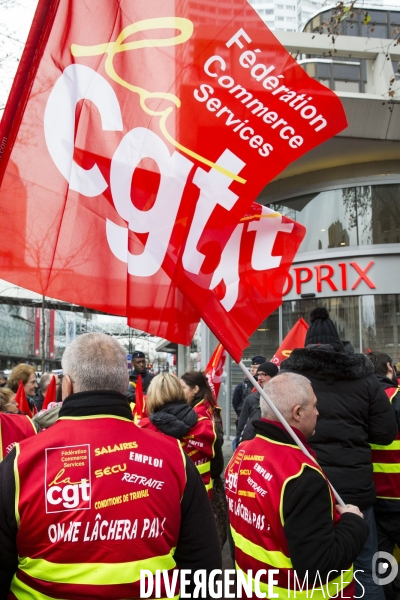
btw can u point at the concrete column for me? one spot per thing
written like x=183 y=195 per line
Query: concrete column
x=205 y=353
x=183 y=359
x=382 y=74
x=208 y=344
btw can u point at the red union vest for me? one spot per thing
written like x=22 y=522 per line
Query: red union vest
x=13 y=429
x=199 y=444
x=98 y=499
x=255 y=481
x=386 y=463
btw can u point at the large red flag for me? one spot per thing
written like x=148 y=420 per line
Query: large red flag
x=136 y=137
x=215 y=369
x=294 y=339
x=22 y=400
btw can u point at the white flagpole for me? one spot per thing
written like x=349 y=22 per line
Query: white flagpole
x=286 y=425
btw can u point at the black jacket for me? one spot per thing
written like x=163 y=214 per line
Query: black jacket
x=250 y=412
x=315 y=544
x=198 y=544
x=175 y=419
x=38 y=400
x=242 y=390
x=146 y=380
x=354 y=411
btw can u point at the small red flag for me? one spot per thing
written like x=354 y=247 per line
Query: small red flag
x=294 y=339
x=22 y=400
x=140 y=409
x=50 y=395
x=215 y=370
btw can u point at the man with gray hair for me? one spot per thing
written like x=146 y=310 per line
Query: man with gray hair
x=97 y=499
x=43 y=387
x=281 y=509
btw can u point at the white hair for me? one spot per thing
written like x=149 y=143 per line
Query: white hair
x=96 y=361
x=286 y=391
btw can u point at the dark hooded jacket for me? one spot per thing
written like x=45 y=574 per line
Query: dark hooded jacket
x=354 y=411
x=250 y=412
x=175 y=419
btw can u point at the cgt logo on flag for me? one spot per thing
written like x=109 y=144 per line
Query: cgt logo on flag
x=67 y=478
x=142 y=137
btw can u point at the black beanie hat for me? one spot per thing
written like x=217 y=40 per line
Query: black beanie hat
x=268 y=368
x=322 y=330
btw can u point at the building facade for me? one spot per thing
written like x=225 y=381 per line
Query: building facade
x=30 y=330
x=347 y=195
x=293 y=15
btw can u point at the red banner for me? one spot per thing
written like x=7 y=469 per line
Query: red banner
x=215 y=369
x=136 y=138
x=294 y=339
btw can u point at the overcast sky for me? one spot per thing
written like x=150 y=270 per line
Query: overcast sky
x=15 y=20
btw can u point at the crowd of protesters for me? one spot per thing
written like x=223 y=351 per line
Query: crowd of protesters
x=355 y=439
x=161 y=475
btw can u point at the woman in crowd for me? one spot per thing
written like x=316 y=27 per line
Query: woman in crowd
x=204 y=446
x=169 y=412
x=7 y=401
x=26 y=374
x=14 y=426
x=167 y=409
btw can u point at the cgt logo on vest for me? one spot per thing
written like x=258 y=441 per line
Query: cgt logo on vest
x=232 y=473
x=67 y=478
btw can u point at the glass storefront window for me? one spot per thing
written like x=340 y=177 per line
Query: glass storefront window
x=343 y=312
x=264 y=342
x=16 y=333
x=379 y=320
x=328 y=217
x=381 y=324
x=351 y=216
x=378 y=212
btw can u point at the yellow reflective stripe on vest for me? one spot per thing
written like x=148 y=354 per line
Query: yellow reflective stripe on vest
x=93 y=573
x=92 y=417
x=204 y=467
x=386 y=468
x=17 y=485
x=330 y=590
x=303 y=466
x=275 y=558
x=394 y=394
x=393 y=446
x=24 y=592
